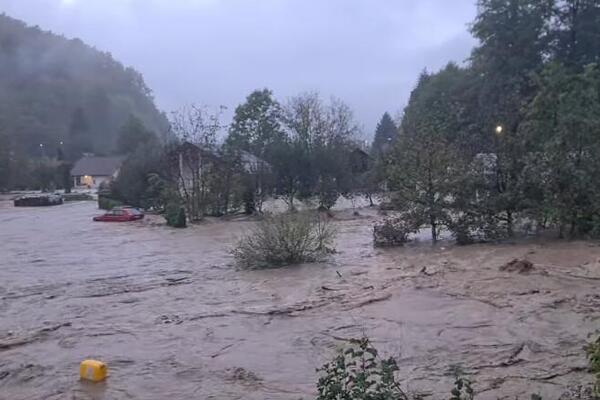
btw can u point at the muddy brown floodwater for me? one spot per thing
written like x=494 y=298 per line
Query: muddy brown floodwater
x=173 y=319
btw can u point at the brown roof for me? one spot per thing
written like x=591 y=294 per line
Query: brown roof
x=97 y=166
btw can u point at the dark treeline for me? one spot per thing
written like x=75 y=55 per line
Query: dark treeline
x=512 y=139
x=60 y=98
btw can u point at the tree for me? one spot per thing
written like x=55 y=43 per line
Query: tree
x=577 y=32
x=80 y=140
x=201 y=180
x=386 y=134
x=256 y=129
x=257 y=124
x=290 y=162
x=197 y=125
x=134 y=185
x=563 y=128
x=514 y=40
x=320 y=140
x=422 y=175
x=5 y=162
x=134 y=134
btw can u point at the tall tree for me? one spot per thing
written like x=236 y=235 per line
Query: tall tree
x=514 y=40
x=386 y=134
x=425 y=167
x=322 y=135
x=132 y=135
x=80 y=139
x=563 y=130
x=257 y=124
x=577 y=32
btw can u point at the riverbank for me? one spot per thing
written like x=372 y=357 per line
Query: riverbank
x=172 y=316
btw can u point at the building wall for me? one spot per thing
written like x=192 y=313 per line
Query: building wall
x=89 y=181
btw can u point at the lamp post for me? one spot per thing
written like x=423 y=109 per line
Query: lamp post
x=42 y=149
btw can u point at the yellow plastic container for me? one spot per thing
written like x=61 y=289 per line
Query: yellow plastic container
x=93 y=370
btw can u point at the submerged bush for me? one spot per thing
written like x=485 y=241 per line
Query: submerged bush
x=106 y=203
x=395 y=231
x=175 y=216
x=284 y=240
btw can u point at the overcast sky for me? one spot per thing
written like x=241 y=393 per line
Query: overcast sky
x=214 y=52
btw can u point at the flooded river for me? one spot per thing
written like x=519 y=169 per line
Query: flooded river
x=174 y=319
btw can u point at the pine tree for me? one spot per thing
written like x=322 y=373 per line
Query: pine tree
x=386 y=134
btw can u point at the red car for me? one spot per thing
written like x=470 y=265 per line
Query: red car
x=121 y=214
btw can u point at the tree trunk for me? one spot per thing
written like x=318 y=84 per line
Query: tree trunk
x=509 y=221
x=433 y=228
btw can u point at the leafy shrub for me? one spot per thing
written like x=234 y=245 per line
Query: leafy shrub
x=175 y=216
x=284 y=240
x=468 y=228
x=462 y=389
x=394 y=231
x=358 y=373
x=106 y=203
x=593 y=354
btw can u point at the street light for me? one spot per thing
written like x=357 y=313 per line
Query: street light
x=499 y=129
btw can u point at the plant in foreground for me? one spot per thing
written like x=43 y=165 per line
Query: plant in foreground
x=593 y=354
x=358 y=373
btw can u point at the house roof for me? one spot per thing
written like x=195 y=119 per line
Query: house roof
x=96 y=166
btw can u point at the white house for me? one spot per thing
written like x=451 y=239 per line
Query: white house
x=91 y=171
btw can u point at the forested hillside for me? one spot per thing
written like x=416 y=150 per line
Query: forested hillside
x=55 y=90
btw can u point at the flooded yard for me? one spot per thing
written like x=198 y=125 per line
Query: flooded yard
x=173 y=318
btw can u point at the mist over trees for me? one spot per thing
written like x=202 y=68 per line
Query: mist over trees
x=61 y=95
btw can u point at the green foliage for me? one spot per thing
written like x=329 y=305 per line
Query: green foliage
x=175 y=215
x=358 y=373
x=513 y=136
x=285 y=239
x=257 y=124
x=593 y=354
x=315 y=157
x=395 y=231
x=424 y=169
x=44 y=175
x=462 y=389
x=80 y=138
x=106 y=203
x=385 y=137
x=134 y=134
x=133 y=185
x=576 y=32
x=563 y=127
